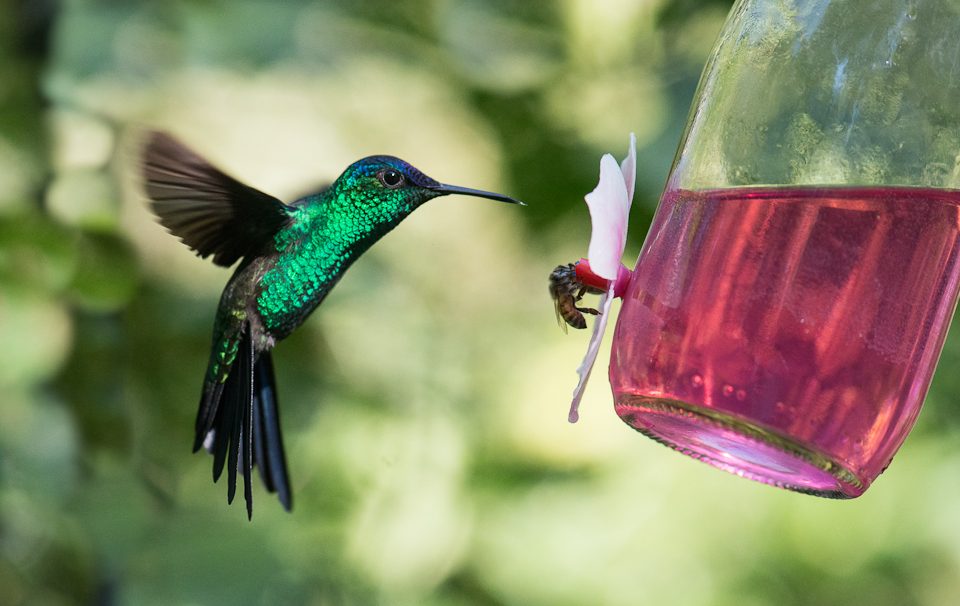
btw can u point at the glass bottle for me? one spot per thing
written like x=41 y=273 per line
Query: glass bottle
x=793 y=294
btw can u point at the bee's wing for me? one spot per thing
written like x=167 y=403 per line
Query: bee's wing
x=609 y=206
x=560 y=320
x=587 y=365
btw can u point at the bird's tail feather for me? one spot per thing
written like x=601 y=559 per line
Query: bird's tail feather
x=267 y=438
x=238 y=423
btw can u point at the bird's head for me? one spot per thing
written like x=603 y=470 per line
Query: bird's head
x=392 y=188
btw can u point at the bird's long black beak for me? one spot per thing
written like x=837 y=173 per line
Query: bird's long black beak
x=444 y=189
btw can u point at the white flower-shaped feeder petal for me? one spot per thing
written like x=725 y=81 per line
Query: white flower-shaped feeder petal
x=609 y=206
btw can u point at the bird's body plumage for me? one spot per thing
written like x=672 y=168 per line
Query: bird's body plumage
x=290 y=256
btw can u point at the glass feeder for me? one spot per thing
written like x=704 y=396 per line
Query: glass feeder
x=793 y=294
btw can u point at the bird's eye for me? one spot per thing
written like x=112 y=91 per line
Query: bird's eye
x=391 y=178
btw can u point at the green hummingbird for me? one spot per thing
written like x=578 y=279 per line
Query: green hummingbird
x=291 y=256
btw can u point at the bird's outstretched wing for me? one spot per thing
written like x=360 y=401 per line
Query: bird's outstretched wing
x=210 y=211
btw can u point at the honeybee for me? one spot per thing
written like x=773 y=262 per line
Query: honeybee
x=566 y=290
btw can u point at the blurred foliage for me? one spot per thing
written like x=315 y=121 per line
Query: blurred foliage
x=425 y=404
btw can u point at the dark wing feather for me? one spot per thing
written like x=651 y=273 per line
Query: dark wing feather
x=213 y=213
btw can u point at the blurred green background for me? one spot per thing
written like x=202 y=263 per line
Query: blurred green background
x=424 y=406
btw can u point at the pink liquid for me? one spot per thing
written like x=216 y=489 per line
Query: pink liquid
x=788 y=335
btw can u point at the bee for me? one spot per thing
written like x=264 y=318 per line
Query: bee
x=566 y=290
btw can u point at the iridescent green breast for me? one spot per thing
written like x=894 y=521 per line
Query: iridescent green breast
x=324 y=239
x=306 y=267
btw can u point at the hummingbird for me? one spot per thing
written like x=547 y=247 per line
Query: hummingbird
x=290 y=257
